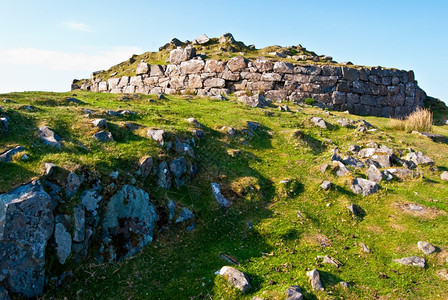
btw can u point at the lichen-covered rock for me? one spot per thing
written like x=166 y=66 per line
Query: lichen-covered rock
x=185 y=215
x=236 y=278
x=411 y=261
x=373 y=174
x=237 y=64
x=142 y=68
x=80 y=223
x=48 y=137
x=63 y=241
x=364 y=186
x=129 y=221
x=216 y=190
x=27 y=222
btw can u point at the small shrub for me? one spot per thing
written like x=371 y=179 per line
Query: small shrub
x=310 y=101
x=419 y=120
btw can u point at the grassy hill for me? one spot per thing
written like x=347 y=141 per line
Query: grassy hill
x=262 y=231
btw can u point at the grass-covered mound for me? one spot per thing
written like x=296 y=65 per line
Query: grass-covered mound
x=269 y=175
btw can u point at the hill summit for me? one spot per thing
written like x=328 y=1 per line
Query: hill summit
x=219 y=67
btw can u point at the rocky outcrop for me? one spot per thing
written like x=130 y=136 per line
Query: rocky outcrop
x=360 y=90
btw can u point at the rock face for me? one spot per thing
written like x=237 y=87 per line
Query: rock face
x=360 y=90
x=27 y=224
x=48 y=137
x=128 y=223
x=235 y=277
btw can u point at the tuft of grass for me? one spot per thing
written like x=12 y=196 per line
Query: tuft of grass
x=420 y=120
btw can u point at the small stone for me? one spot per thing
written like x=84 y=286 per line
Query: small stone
x=341 y=169
x=355 y=209
x=284 y=108
x=314 y=277
x=157 y=135
x=364 y=248
x=100 y=123
x=294 y=293
x=114 y=174
x=326 y=185
x=194 y=122
x=443 y=273
x=235 y=277
x=73 y=184
x=216 y=190
x=344 y=284
x=330 y=260
x=319 y=122
x=343 y=122
x=200 y=134
x=373 y=174
x=426 y=247
x=444 y=176
x=411 y=261
x=103 y=136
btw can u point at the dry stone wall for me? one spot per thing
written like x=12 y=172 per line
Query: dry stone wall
x=360 y=90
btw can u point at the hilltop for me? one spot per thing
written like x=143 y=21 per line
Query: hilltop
x=178 y=196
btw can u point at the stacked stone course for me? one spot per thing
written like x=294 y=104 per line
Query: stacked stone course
x=360 y=90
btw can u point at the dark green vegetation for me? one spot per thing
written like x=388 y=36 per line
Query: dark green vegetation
x=278 y=248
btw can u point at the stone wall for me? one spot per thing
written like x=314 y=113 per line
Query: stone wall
x=360 y=90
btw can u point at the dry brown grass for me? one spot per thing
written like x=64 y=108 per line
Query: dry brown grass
x=420 y=120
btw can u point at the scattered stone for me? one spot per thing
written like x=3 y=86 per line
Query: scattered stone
x=411 y=261
x=364 y=248
x=364 y=186
x=284 y=108
x=100 y=123
x=129 y=217
x=253 y=126
x=194 y=122
x=24 y=238
x=384 y=160
x=235 y=277
x=343 y=122
x=48 y=137
x=90 y=199
x=354 y=162
x=314 y=277
x=114 y=175
x=323 y=167
x=63 y=241
x=344 y=284
x=294 y=293
x=340 y=168
x=185 y=215
x=6 y=156
x=330 y=260
x=361 y=128
x=373 y=174
x=326 y=185
x=254 y=101
x=171 y=209
x=403 y=173
x=230 y=131
x=157 y=135
x=419 y=158
x=426 y=247
x=444 y=176
x=319 y=122
x=355 y=210
x=145 y=166
x=366 y=152
x=24 y=157
x=103 y=136
x=164 y=180
x=216 y=190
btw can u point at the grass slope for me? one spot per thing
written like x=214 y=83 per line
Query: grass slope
x=278 y=249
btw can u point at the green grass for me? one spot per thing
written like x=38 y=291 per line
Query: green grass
x=280 y=247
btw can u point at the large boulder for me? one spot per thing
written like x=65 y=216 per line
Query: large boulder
x=236 y=278
x=27 y=222
x=128 y=223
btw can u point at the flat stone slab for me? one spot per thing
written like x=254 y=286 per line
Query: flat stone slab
x=411 y=261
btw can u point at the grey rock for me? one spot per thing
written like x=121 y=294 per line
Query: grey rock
x=103 y=136
x=383 y=159
x=354 y=162
x=319 y=122
x=355 y=210
x=142 y=68
x=284 y=108
x=164 y=180
x=323 y=167
x=364 y=186
x=7 y=155
x=90 y=199
x=203 y=39
x=63 y=241
x=216 y=190
x=194 y=122
x=24 y=237
x=354 y=148
x=237 y=64
x=157 y=135
x=294 y=293
x=254 y=101
x=253 y=126
x=193 y=66
x=145 y=166
x=366 y=152
x=226 y=38
x=444 y=175
x=343 y=122
x=185 y=215
x=179 y=55
x=131 y=217
x=326 y=185
x=419 y=158
x=283 y=67
x=426 y=247
x=403 y=173
x=341 y=169
x=80 y=223
x=236 y=278
x=373 y=174
x=314 y=278
x=48 y=137
x=49 y=168
x=331 y=261
x=364 y=248
x=72 y=185
x=171 y=209
x=411 y=261
x=100 y=123
x=178 y=168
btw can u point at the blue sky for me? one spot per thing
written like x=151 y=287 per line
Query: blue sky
x=45 y=44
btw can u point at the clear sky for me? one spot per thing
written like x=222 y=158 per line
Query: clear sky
x=45 y=44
